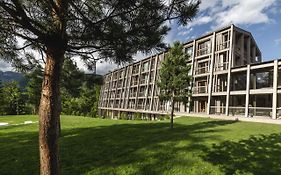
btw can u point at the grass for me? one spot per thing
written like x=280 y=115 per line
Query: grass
x=196 y=146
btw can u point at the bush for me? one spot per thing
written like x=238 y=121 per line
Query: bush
x=137 y=116
x=167 y=117
x=124 y=116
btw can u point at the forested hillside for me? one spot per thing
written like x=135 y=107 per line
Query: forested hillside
x=13 y=76
x=20 y=92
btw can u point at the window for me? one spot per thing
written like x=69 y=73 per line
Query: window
x=204 y=48
x=189 y=51
x=145 y=67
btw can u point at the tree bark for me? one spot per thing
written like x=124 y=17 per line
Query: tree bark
x=49 y=112
x=172 y=113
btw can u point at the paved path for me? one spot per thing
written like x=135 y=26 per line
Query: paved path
x=239 y=118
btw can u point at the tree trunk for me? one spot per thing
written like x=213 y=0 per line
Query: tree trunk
x=49 y=112
x=172 y=113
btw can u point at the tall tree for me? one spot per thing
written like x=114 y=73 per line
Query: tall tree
x=174 y=79
x=112 y=30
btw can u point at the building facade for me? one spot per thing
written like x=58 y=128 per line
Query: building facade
x=229 y=78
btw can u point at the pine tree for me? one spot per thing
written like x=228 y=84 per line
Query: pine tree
x=108 y=29
x=174 y=79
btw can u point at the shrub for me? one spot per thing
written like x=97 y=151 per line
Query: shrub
x=137 y=116
x=124 y=116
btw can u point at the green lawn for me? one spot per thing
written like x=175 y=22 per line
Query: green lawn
x=195 y=147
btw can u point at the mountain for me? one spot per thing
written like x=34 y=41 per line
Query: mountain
x=12 y=76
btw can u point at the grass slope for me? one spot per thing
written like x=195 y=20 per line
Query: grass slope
x=196 y=146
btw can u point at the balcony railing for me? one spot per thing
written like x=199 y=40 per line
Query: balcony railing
x=202 y=70
x=140 y=106
x=134 y=83
x=200 y=89
x=217 y=109
x=223 y=46
x=133 y=94
x=203 y=51
x=116 y=105
x=260 y=111
x=221 y=66
x=142 y=94
x=236 y=110
x=144 y=81
x=136 y=71
x=119 y=95
x=220 y=88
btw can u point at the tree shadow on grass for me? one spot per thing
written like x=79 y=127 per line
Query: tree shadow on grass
x=150 y=148
x=259 y=155
x=145 y=148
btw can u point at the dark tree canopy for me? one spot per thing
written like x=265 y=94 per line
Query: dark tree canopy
x=112 y=29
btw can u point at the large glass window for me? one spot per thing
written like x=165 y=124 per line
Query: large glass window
x=204 y=48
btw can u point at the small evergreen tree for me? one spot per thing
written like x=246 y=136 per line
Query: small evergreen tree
x=174 y=78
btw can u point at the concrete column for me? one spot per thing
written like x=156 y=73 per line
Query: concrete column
x=124 y=87
x=230 y=58
x=158 y=60
x=249 y=50
x=247 y=90
x=211 y=73
x=148 y=83
x=129 y=85
x=254 y=52
x=274 y=95
x=192 y=73
x=136 y=99
x=154 y=83
x=242 y=49
x=109 y=91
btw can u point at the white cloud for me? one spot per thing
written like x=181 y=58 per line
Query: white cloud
x=208 y=4
x=105 y=67
x=277 y=41
x=5 y=66
x=185 y=32
x=245 y=12
x=221 y=13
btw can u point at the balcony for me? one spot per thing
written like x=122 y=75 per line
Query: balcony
x=133 y=94
x=260 y=111
x=202 y=70
x=203 y=51
x=217 y=109
x=200 y=89
x=221 y=66
x=236 y=110
x=222 y=46
x=135 y=69
x=118 y=95
x=143 y=81
x=141 y=94
x=134 y=83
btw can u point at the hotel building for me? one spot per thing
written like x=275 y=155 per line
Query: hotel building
x=229 y=78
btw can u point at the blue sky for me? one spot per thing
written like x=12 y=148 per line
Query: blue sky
x=260 y=17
